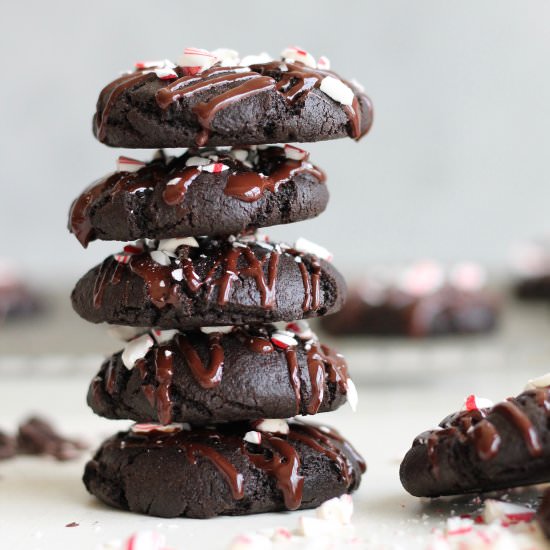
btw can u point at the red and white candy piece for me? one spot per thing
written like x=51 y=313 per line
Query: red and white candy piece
x=315 y=527
x=224 y=329
x=295 y=153
x=251 y=541
x=337 y=90
x=133 y=249
x=272 y=425
x=126 y=164
x=163 y=336
x=145 y=540
x=215 y=167
x=197 y=58
x=161 y=64
x=253 y=437
x=169 y=246
x=336 y=509
x=136 y=349
x=459 y=526
x=540 y=382
x=281 y=535
x=197 y=161
x=506 y=512
x=122 y=258
x=294 y=53
x=160 y=257
x=283 y=339
x=308 y=247
x=475 y=403
x=422 y=278
x=301 y=329
x=258 y=59
x=148 y=427
x=165 y=73
x=323 y=63
x=468 y=277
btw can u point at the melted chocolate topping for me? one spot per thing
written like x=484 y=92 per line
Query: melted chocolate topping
x=224 y=86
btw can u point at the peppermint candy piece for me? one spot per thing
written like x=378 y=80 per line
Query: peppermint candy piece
x=126 y=164
x=506 y=512
x=253 y=437
x=295 y=153
x=133 y=249
x=273 y=425
x=223 y=329
x=197 y=161
x=145 y=540
x=215 y=168
x=459 y=526
x=351 y=394
x=301 y=329
x=169 y=246
x=315 y=527
x=475 y=403
x=162 y=64
x=226 y=57
x=136 y=349
x=160 y=257
x=165 y=73
x=422 y=278
x=239 y=154
x=124 y=333
x=283 y=339
x=293 y=53
x=308 y=247
x=166 y=428
x=163 y=336
x=122 y=258
x=251 y=541
x=281 y=535
x=337 y=90
x=540 y=382
x=336 y=509
x=197 y=58
x=177 y=274
x=468 y=277
x=323 y=63
x=248 y=60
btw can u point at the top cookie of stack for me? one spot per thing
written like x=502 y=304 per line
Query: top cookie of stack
x=215 y=98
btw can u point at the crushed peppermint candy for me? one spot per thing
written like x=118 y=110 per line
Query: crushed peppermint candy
x=248 y=60
x=506 y=512
x=197 y=161
x=125 y=333
x=351 y=394
x=163 y=336
x=169 y=246
x=301 y=329
x=136 y=349
x=253 y=437
x=133 y=249
x=127 y=164
x=308 y=247
x=226 y=57
x=197 y=58
x=537 y=383
x=338 y=509
x=224 y=329
x=160 y=257
x=295 y=153
x=283 y=339
x=337 y=90
x=323 y=63
x=122 y=258
x=145 y=540
x=215 y=168
x=163 y=63
x=467 y=276
x=177 y=274
x=475 y=403
x=272 y=425
x=165 y=428
x=293 y=53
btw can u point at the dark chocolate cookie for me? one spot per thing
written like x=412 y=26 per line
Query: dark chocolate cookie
x=479 y=450
x=206 y=192
x=206 y=376
x=188 y=283
x=424 y=300
x=205 y=101
x=232 y=469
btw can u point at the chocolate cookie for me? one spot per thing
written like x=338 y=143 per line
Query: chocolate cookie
x=188 y=283
x=215 y=99
x=206 y=192
x=233 y=469
x=206 y=376
x=424 y=300
x=484 y=449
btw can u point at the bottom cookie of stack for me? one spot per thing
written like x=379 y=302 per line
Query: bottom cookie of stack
x=229 y=469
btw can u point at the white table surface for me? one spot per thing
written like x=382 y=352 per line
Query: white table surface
x=404 y=388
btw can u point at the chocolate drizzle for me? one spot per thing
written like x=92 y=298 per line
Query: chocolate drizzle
x=110 y=273
x=208 y=377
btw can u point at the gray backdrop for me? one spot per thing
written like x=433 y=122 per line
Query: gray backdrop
x=455 y=167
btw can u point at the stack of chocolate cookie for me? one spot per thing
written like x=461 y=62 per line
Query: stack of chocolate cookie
x=206 y=373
